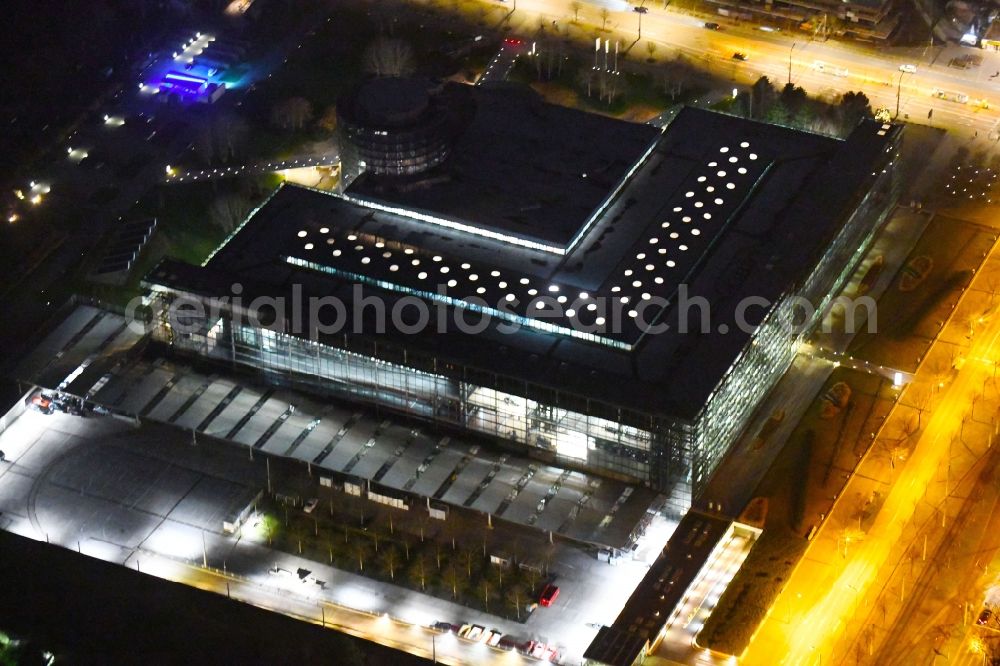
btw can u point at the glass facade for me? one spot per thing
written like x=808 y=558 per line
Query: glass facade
x=671 y=454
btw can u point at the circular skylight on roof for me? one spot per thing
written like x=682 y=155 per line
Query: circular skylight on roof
x=753 y=156
x=553 y=288
x=698 y=204
x=650 y=267
x=674 y=234
x=701 y=179
x=671 y=263
x=718 y=202
x=352 y=237
x=623 y=299
x=599 y=321
x=571 y=312
x=502 y=284
x=524 y=280
x=366 y=260
x=707 y=216
x=330 y=241
x=466 y=267
x=408 y=250
x=730 y=186
x=303 y=233
x=741 y=170
x=633 y=314
x=646 y=296
x=561 y=299
x=689 y=194
x=480 y=290
x=359 y=248
x=712 y=165
x=654 y=240
x=452 y=283
x=532 y=292
x=677 y=209
x=696 y=232
x=591 y=306
x=436 y=257
x=628 y=272
x=380 y=245
x=637 y=283
x=415 y=262
x=308 y=246
x=422 y=275
x=658 y=280
x=682 y=248
x=662 y=250
x=615 y=289
x=584 y=295
x=665 y=225
x=734 y=159
x=386 y=255
x=709 y=189
x=744 y=144
x=336 y=253
x=724 y=149
x=324 y=230
x=720 y=174
x=445 y=269
x=510 y=297
x=685 y=219
x=640 y=256
x=495 y=273
x=394 y=268
x=473 y=277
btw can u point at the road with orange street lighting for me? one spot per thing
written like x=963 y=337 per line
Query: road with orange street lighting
x=822 y=68
x=829 y=590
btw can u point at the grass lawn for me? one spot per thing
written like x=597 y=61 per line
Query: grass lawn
x=908 y=321
x=185 y=229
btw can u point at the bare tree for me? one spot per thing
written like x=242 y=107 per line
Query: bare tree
x=576 y=6
x=605 y=14
x=292 y=113
x=387 y=57
x=228 y=211
x=650 y=49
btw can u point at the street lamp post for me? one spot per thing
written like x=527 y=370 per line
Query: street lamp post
x=640 y=12
x=794 y=44
x=899 y=89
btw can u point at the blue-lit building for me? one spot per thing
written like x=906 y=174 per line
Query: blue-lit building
x=560 y=237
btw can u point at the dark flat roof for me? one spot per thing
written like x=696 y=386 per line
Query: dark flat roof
x=521 y=166
x=766 y=228
x=660 y=590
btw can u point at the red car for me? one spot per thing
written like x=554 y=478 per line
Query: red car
x=549 y=595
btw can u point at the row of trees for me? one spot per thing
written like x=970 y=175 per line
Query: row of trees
x=457 y=569
x=790 y=105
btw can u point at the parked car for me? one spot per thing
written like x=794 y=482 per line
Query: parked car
x=549 y=595
x=492 y=639
x=909 y=69
x=984 y=616
x=475 y=632
x=712 y=26
x=41 y=403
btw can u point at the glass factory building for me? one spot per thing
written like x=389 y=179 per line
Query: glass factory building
x=595 y=293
